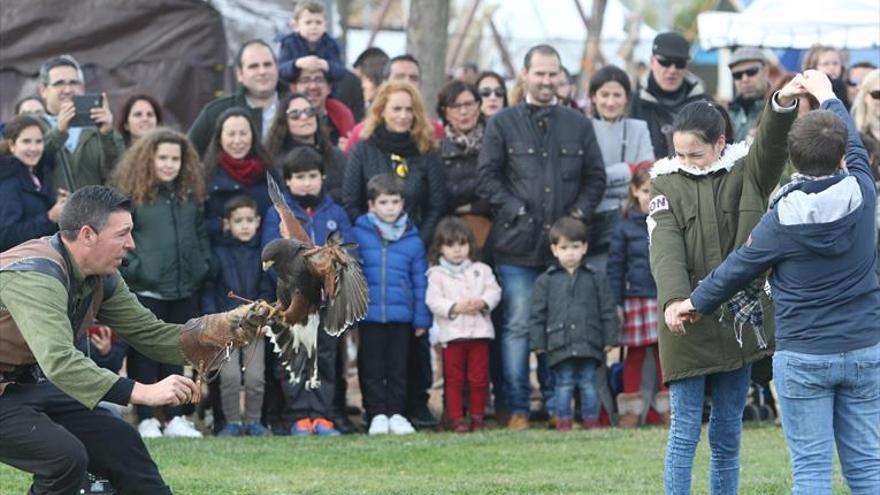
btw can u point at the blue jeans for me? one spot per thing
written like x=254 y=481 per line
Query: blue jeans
x=729 y=391
x=580 y=372
x=829 y=398
x=516 y=285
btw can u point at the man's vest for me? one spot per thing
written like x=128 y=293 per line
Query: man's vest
x=48 y=256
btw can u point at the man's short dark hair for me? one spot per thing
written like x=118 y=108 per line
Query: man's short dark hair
x=543 y=49
x=248 y=43
x=239 y=201
x=570 y=228
x=387 y=184
x=301 y=159
x=371 y=63
x=406 y=57
x=92 y=206
x=59 y=61
x=816 y=143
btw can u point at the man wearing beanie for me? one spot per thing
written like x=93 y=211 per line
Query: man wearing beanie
x=666 y=88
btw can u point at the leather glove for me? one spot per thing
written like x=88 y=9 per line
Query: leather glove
x=203 y=338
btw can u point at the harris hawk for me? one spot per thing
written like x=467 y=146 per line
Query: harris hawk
x=317 y=286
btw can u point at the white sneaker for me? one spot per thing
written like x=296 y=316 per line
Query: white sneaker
x=379 y=425
x=179 y=426
x=149 y=428
x=398 y=425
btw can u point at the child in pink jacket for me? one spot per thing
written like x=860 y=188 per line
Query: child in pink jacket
x=461 y=294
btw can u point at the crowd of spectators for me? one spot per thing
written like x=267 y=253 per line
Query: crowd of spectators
x=535 y=209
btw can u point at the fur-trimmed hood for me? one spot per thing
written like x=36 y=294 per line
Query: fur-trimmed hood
x=729 y=157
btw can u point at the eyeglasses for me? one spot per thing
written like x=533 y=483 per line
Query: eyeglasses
x=297 y=114
x=666 y=62
x=312 y=80
x=751 y=72
x=466 y=105
x=875 y=94
x=487 y=92
x=66 y=82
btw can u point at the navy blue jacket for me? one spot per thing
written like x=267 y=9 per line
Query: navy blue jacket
x=294 y=46
x=23 y=207
x=325 y=219
x=221 y=188
x=629 y=263
x=235 y=266
x=819 y=239
x=395 y=273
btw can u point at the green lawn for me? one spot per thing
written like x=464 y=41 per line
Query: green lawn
x=532 y=462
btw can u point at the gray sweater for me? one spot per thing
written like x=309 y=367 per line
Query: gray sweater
x=616 y=153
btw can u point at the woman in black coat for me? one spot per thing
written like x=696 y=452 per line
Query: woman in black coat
x=29 y=206
x=398 y=139
x=458 y=105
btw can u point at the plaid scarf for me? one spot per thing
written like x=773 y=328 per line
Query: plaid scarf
x=745 y=306
x=795 y=181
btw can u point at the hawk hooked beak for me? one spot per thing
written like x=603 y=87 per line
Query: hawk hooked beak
x=268 y=264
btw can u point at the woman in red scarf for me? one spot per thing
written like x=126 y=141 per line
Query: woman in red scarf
x=235 y=163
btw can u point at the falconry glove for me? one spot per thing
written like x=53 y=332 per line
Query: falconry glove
x=203 y=339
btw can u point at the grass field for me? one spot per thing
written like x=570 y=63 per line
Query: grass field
x=494 y=462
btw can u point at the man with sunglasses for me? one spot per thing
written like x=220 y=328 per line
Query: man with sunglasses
x=748 y=66
x=83 y=155
x=665 y=89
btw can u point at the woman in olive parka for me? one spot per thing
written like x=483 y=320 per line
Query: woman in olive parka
x=705 y=200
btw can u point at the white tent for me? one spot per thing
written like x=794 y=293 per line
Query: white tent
x=794 y=24
x=525 y=23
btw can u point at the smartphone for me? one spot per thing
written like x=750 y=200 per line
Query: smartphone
x=83 y=104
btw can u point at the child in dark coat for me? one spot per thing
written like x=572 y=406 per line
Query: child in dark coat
x=310 y=47
x=394 y=263
x=309 y=410
x=572 y=319
x=635 y=296
x=237 y=269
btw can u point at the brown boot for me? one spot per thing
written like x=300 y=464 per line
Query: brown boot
x=518 y=422
x=630 y=407
x=552 y=421
x=661 y=405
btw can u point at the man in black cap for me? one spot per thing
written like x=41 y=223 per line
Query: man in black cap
x=665 y=89
x=748 y=65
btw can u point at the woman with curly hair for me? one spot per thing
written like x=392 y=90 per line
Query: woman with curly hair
x=398 y=138
x=235 y=163
x=162 y=174
x=296 y=124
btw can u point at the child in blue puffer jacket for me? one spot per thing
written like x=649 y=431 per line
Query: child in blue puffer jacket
x=394 y=263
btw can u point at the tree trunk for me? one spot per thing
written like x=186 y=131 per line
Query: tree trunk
x=592 y=55
x=426 y=34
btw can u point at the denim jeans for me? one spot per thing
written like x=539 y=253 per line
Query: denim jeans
x=828 y=398
x=729 y=391
x=516 y=285
x=580 y=372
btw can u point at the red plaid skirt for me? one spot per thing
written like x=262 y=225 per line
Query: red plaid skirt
x=640 y=327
